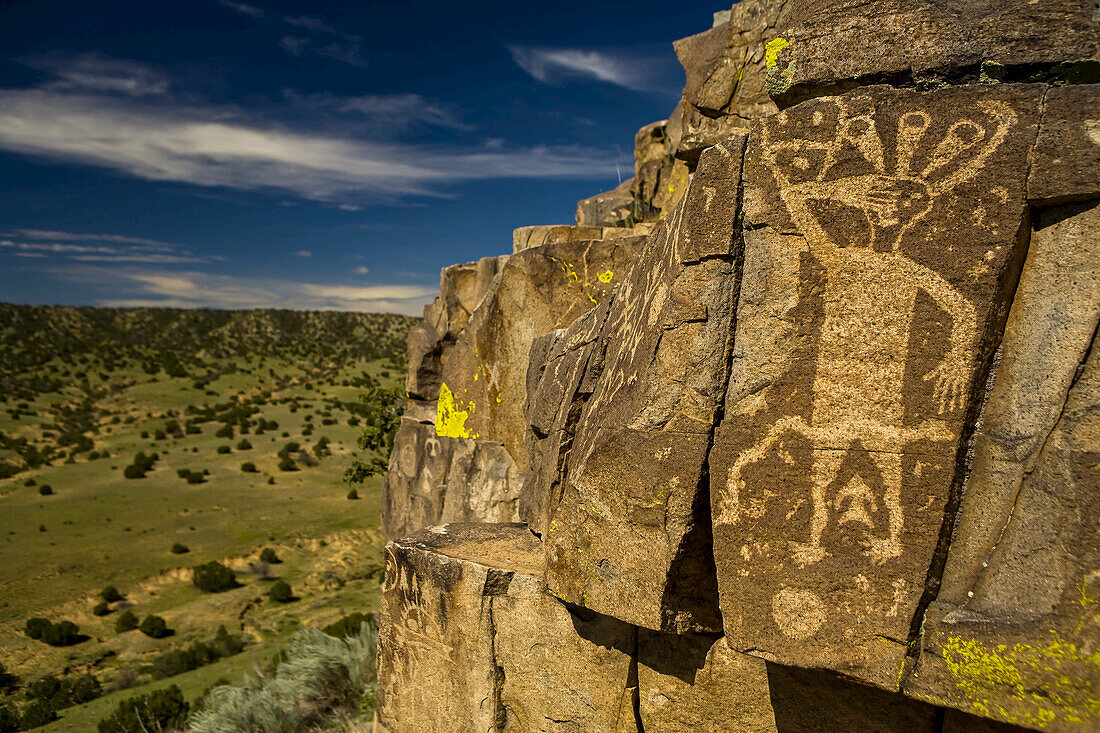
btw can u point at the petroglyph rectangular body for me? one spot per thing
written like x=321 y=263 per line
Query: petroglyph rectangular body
x=883 y=235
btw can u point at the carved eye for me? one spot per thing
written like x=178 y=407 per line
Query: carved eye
x=800 y=163
x=966 y=131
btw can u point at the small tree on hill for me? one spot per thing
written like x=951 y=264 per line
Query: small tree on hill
x=160 y=710
x=111 y=594
x=154 y=627
x=213 y=577
x=281 y=592
x=127 y=621
x=268 y=555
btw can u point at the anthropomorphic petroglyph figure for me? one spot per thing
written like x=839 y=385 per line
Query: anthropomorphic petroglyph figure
x=869 y=299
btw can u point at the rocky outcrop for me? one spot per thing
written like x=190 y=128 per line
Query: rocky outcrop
x=823 y=454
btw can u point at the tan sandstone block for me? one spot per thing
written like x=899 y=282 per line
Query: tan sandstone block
x=469 y=641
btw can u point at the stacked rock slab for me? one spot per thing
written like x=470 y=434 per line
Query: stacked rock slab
x=826 y=456
x=459 y=454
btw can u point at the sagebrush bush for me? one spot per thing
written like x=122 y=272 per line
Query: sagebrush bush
x=318 y=675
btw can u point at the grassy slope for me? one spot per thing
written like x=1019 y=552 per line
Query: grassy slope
x=103 y=529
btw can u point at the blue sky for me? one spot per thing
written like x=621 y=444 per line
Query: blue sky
x=218 y=153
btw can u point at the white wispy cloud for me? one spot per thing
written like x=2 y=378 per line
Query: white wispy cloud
x=161 y=139
x=392 y=112
x=244 y=9
x=59 y=236
x=311 y=24
x=95 y=72
x=150 y=288
x=621 y=68
x=361 y=270
x=122 y=249
x=303 y=253
x=344 y=52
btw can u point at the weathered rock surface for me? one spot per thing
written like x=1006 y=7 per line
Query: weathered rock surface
x=469 y=642
x=824 y=46
x=883 y=238
x=614 y=208
x=626 y=529
x=828 y=458
x=461 y=289
x=536 y=236
x=539 y=290
x=434 y=479
x=726 y=77
x=1017 y=610
x=1066 y=162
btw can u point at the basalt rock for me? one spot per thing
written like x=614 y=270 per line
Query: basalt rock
x=626 y=526
x=884 y=233
x=825 y=46
x=1016 y=611
x=823 y=453
x=614 y=208
x=433 y=479
x=726 y=76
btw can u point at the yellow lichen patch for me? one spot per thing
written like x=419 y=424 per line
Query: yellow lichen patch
x=450 y=418
x=1025 y=684
x=606 y=276
x=771 y=51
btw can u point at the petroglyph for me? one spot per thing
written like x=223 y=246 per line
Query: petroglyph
x=870 y=294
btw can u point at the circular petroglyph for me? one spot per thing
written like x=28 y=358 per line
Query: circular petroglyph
x=799 y=613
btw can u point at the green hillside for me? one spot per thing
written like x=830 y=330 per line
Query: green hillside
x=245 y=421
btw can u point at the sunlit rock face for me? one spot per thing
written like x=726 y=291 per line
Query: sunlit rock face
x=798 y=429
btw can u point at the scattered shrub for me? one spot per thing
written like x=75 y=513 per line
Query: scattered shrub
x=154 y=627
x=249 y=467
x=244 y=445
x=287 y=464
x=64 y=692
x=160 y=710
x=223 y=449
x=178 y=548
x=8 y=681
x=36 y=627
x=45 y=490
x=101 y=609
x=142 y=465
x=111 y=594
x=353 y=495
x=37 y=714
x=349 y=625
x=196 y=655
x=9 y=719
x=268 y=555
x=213 y=577
x=126 y=621
x=281 y=592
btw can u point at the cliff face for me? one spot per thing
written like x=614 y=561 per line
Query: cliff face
x=796 y=430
